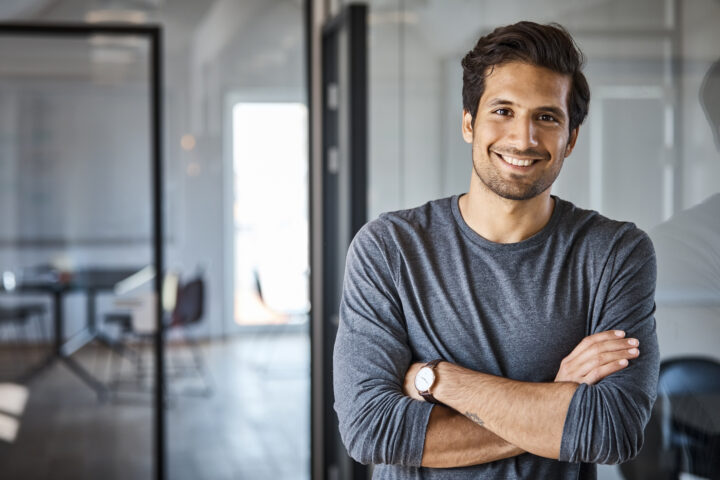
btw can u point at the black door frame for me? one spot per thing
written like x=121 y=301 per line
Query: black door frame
x=154 y=34
x=343 y=211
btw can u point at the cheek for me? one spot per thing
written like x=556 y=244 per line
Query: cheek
x=488 y=135
x=562 y=148
x=556 y=144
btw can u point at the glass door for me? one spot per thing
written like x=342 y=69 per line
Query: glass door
x=80 y=237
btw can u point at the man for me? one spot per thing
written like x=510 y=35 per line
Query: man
x=531 y=311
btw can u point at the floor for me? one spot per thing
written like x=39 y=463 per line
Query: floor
x=254 y=424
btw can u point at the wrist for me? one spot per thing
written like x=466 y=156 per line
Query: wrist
x=444 y=372
x=409 y=385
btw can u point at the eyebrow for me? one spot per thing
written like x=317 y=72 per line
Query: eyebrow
x=557 y=112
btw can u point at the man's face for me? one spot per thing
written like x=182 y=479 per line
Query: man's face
x=520 y=137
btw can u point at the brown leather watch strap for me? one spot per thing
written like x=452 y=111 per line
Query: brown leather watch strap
x=426 y=394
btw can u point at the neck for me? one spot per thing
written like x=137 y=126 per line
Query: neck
x=501 y=220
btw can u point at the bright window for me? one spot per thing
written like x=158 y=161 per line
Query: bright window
x=270 y=212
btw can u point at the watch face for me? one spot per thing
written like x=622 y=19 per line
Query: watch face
x=424 y=379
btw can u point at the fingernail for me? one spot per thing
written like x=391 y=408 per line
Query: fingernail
x=623 y=362
x=633 y=341
x=619 y=333
x=633 y=351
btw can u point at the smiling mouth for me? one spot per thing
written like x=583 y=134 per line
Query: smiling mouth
x=517 y=162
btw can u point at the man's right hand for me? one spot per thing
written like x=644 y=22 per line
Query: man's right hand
x=598 y=356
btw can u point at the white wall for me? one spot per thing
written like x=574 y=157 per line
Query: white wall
x=404 y=146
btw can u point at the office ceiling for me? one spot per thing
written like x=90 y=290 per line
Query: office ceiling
x=451 y=26
x=99 y=57
x=179 y=16
x=448 y=27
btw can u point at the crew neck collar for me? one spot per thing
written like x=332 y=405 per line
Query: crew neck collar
x=479 y=240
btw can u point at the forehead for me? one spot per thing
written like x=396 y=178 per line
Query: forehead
x=527 y=85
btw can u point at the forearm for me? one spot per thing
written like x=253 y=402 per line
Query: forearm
x=452 y=440
x=528 y=415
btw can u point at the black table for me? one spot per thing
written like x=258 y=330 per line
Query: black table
x=57 y=284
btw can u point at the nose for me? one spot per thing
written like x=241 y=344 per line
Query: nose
x=524 y=133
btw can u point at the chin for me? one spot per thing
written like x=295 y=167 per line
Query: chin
x=518 y=196
x=526 y=193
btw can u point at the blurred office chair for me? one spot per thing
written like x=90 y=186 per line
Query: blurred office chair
x=690 y=391
x=135 y=318
x=19 y=316
x=15 y=322
x=683 y=435
x=188 y=313
x=183 y=307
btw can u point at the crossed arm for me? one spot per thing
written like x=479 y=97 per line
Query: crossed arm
x=486 y=418
x=577 y=418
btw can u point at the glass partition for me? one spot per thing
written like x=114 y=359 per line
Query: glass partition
x=241 y=189
x=235 y=225
x=75 y=238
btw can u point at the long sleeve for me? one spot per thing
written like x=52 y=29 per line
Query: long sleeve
x=605 y=421
x=378 y=424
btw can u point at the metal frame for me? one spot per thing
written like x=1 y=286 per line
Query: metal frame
x=155 y=36
x=314 y=13
x=339 y=205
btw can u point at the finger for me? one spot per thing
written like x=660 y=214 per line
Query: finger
x=601 y=372
x=591 y=353
x=593 y=339
x=599 y=348
x=606 y=358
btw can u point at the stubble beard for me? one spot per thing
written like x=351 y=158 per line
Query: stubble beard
x=515 y=190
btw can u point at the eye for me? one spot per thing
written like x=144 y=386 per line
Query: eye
x=546 y=117
x=502 y=111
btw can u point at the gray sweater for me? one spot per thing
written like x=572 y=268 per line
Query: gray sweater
x=421 y=284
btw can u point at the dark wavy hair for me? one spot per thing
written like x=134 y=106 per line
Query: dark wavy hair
x=549 y=46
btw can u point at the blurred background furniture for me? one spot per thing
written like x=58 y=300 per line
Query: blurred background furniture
x=683 y=435
x=16 y=315
x=19 y=315
x=183 y=304
x=57 y=284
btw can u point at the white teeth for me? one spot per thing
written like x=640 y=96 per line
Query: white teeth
x=516 y=161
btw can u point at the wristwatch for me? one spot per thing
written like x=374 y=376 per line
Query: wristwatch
x=424 y=380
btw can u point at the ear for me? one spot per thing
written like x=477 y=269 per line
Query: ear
x=571 y=141
x=467 y=126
